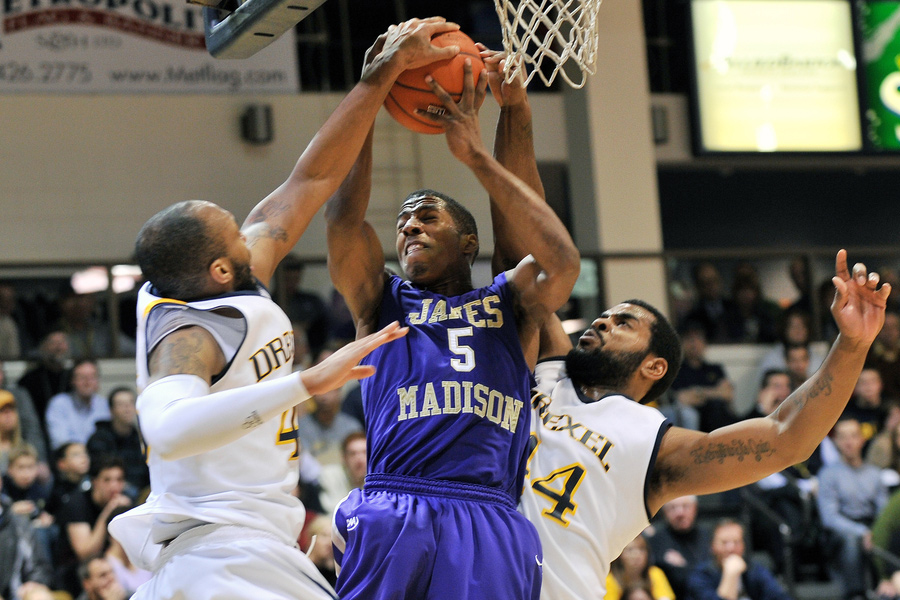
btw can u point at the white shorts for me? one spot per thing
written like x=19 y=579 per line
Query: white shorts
x=224 y=562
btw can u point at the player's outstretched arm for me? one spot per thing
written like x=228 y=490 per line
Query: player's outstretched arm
x=275 y=225
x=544 y=282
x=691 y=462
x=179 y=416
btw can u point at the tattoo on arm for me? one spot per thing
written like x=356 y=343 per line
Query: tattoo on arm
x=717 y=452
x=270 y=231
x=270 y=213
x=822 y=387
x=180 y=356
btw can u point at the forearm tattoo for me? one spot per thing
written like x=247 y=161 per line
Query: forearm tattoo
x=740 y=449
x=797 y=401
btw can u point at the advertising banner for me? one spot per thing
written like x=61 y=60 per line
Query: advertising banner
x=776 y=75
x=881 y=50
x=127 y=46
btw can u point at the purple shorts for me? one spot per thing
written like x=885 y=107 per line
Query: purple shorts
x=425 y=539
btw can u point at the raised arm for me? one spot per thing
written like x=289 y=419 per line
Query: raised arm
x=691 y=462
x=514 y=149
x=355 y=257
x=545 y=279
x=275 y=225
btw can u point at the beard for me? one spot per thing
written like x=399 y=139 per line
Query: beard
x=602 y=368
x=244 y=281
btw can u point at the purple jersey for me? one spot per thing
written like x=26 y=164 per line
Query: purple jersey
x=450 y=400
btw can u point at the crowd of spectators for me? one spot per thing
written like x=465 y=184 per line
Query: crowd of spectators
x=71 y=456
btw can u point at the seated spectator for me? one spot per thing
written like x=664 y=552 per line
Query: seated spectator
x=98 y=580
x=679 y=544
x=49 y=375
x=72 y=416
x=794 y=330
x=633 y=567
x=82 y=520
x=884 y=450
x=886 y=536
x=119 y=437
x=22 y=559
x=711 y=304
x=751 y=319
x=884 y=355
x=850 y=497
x=323 y=431
x=337 y=480
x=72 y=465
x=30 y=423
x=21 y=484
x=11 y=342
x=787 y=494
x=703 y=385
x=866 y=405
x=88 y=336
x=304 y=307
x=797 y=358
x=10 y=431
x=728 y=575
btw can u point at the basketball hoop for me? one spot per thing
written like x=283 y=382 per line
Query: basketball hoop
x=555 y=31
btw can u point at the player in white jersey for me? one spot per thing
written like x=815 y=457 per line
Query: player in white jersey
x=214 y=368
x=602 y=464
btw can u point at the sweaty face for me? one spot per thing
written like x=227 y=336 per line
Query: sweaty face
x=609 y=353
x=428 y=243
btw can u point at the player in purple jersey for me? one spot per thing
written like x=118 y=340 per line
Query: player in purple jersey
x=447 y=416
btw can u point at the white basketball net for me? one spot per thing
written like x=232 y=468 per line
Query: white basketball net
x=556 y=30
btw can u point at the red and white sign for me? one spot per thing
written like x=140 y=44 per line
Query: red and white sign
x=128 y=46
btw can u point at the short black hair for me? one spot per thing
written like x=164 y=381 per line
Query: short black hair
x=119 y=390
x=60 y=453
x=462 y=218
x=174 y=250
x=771 y=373
x=104 y=462
x=664 y=343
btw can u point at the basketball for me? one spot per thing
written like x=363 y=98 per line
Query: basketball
x=410 y=92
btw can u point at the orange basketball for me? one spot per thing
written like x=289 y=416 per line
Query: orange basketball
x=410 y=92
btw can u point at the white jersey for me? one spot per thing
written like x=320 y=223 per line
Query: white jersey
x=247 y=482
x=586 y=484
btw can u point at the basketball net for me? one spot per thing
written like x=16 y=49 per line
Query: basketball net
x=558 y=31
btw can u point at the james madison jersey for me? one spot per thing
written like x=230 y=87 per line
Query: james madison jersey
x=586 y=480
x=449 y=400
x=447 y=426
x=246 y=482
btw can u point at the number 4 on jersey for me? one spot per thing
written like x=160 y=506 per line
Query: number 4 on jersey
x=571 y=477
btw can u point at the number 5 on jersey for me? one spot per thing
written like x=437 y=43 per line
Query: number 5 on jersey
x=467 y=362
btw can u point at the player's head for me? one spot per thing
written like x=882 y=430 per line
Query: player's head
x=630 y=348
x=435 y=235
x=193 y=249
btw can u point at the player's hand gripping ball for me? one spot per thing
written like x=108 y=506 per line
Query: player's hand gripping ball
x=410 y=92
